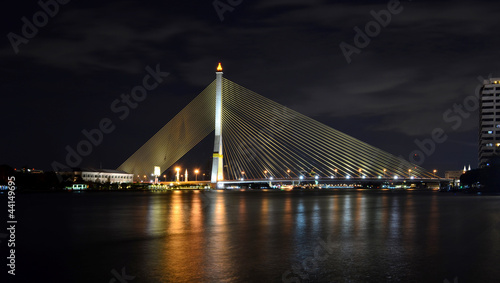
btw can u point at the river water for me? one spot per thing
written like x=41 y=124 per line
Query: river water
x=257 y=236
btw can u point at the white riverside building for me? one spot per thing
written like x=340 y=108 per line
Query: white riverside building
x=489 y=121
x=106 y=175
x=99 y=175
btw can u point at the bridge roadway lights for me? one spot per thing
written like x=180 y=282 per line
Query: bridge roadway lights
x=430 y=181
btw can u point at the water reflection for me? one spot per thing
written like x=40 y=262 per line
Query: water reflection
x=233 y=233
x=254 y=236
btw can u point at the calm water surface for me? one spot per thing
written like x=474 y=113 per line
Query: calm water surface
x=258 y=236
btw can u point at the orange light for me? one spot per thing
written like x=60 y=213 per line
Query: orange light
x=219 y=68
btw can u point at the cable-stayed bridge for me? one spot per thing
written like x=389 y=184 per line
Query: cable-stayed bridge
x=259 y=139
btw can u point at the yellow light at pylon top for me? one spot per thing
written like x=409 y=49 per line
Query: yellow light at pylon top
x=219 y=68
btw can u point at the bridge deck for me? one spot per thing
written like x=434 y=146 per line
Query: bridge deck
x=309 y=180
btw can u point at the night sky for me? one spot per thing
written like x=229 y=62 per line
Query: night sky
x=395 y=89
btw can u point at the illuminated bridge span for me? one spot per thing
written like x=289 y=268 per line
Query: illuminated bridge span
x=261 y=139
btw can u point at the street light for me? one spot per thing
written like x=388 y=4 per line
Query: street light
x=196 y=174
x=359 y=170
x=265 y=174
x=385 y=170
x=288 y=172
x=335 y=172
x=435 y=171
x=409 y=173
x=242 y=175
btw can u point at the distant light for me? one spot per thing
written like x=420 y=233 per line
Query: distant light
x=412 y=177
x=380 y=177
x=270 y=178
x=331 y=177
x=301 y=177
x=395 y=177
x=316 y=177
x=364 y=177
x=241 y=179
x=348 y=177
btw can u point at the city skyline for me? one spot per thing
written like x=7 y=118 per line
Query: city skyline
x=67 y=77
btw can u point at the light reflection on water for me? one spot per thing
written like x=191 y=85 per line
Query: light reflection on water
x=252 y=236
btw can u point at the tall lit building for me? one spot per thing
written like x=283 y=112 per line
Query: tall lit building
x=489 y=122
